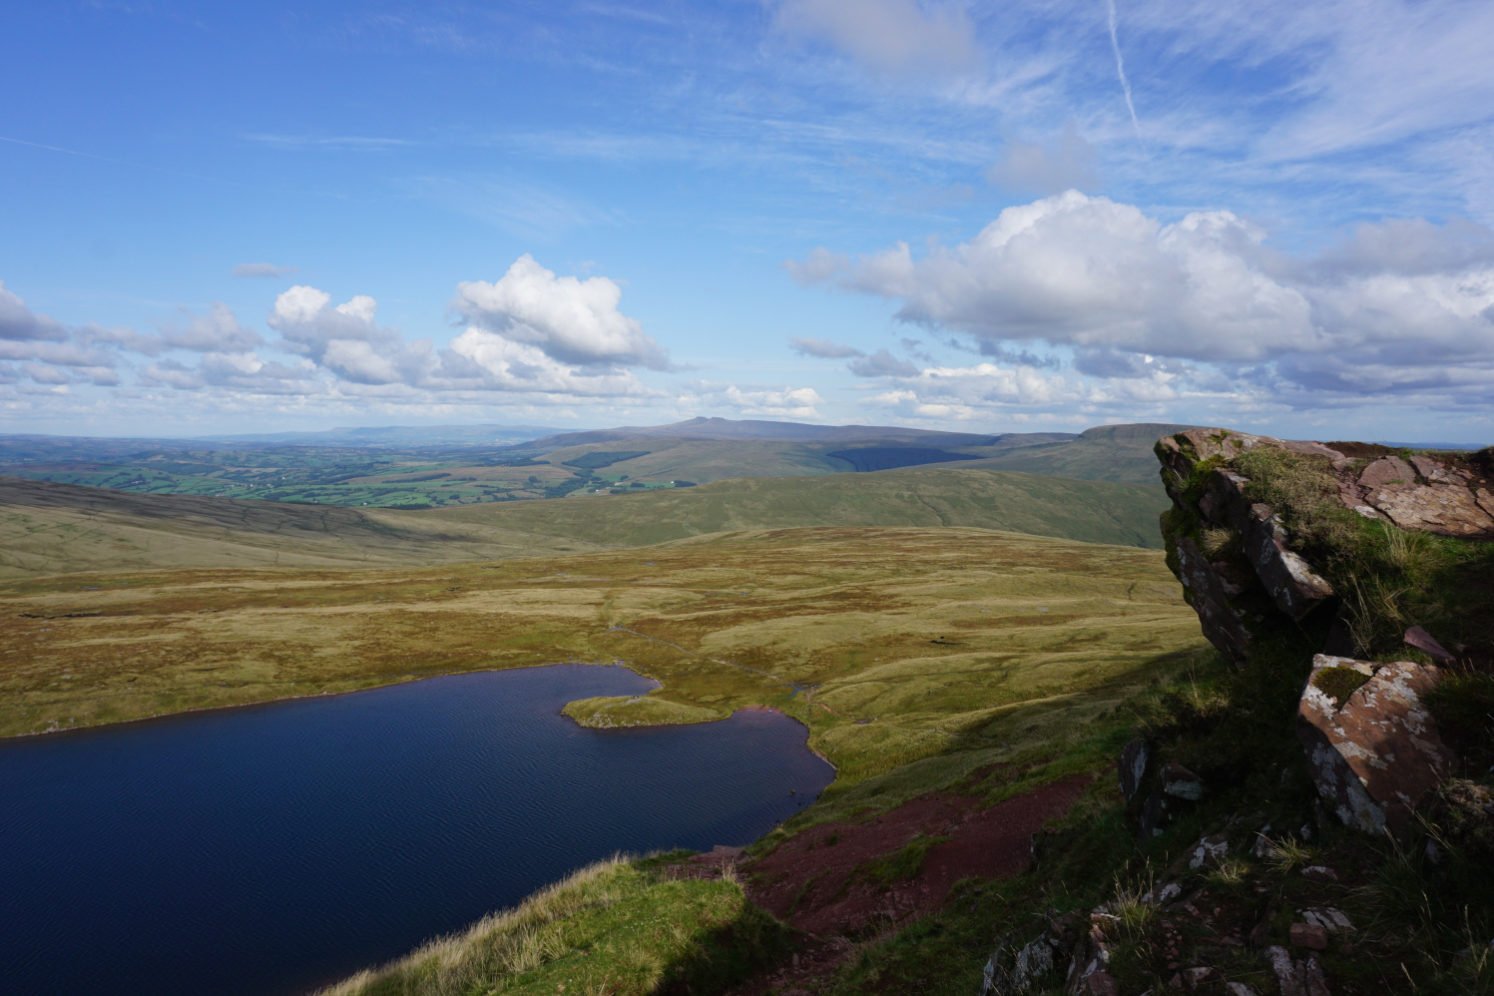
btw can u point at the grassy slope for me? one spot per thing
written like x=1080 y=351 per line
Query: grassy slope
x=54 y=528
x=1120 y=453
x=925 y=496
x=924 y=659
x=704 y=460
x=50 y=528
x=914 y=637
x=613 y=927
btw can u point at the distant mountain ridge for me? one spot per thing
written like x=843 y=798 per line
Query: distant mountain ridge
x=702 y=427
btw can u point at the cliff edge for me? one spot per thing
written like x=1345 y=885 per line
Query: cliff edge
x=1315 y=813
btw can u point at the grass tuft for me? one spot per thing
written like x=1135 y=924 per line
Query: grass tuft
x=619 y=926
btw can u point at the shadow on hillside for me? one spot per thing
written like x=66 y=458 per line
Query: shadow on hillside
x=1057 y=740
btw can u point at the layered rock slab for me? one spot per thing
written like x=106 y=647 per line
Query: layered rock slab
x=1372 y=748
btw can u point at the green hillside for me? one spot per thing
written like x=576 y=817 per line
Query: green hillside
x=1121 y=453
x=60 y=528
x=941 y=495
x=408 y=473
x=55 y=528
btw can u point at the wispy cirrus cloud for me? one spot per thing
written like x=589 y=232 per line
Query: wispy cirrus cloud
x=340 y=143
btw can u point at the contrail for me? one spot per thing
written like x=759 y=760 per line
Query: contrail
x=1120 y=71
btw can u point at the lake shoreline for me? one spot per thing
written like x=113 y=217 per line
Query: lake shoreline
x=197 y=711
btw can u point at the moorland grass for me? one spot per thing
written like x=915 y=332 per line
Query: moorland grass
x=53 y=529
x=919 y=659
x=619 y=927
x=891 y=645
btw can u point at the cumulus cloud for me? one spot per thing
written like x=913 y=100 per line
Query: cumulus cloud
x=244 y=373
x=792 y=402
x=888 y=36
x=217 y=331
x=483 y=360
x=18 y=322
x=963 y=393
x=346 y=339
x=62 y=354
x=878 y=364
x=823 y=349
x=1104 y=279
x=786 y=402
x=570 y=320
x=881 y=364
x=262 y=271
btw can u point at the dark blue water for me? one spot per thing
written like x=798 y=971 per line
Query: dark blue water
x=279 y=847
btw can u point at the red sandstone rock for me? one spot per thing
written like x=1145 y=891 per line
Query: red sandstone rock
x=1375 y=756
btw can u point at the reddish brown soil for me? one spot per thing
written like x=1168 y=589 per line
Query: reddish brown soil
x=811 y=881
x=818 y=881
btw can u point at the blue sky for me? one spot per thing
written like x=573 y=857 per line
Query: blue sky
x=1026 y=215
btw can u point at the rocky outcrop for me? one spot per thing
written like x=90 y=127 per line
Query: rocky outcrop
x=1372 y=747
x=1235 y=584
x=1428 y=494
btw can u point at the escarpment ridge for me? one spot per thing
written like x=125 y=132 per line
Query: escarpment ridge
x=1368 y=554
x=1315 y=814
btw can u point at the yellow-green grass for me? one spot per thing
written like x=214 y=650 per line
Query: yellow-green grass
x=52 y=528
x=610 y=711
x=1093 y=511
x=1104 y=453
x=892 y=645
x=615 y=927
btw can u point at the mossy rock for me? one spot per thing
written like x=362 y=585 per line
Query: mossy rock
x=1339 y=683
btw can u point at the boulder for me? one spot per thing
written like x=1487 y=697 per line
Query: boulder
x=1372 y=748
x=1429 y=494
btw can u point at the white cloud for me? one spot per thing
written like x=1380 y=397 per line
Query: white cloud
x=494 y=362
x=570 y=320
x=881 y=364
x=18 y=322
x=217 y=331
x=62 y=354
x=823 y=349
x=787 y=402
x=889 y=36
x=1102 y=278
x=346 y=339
